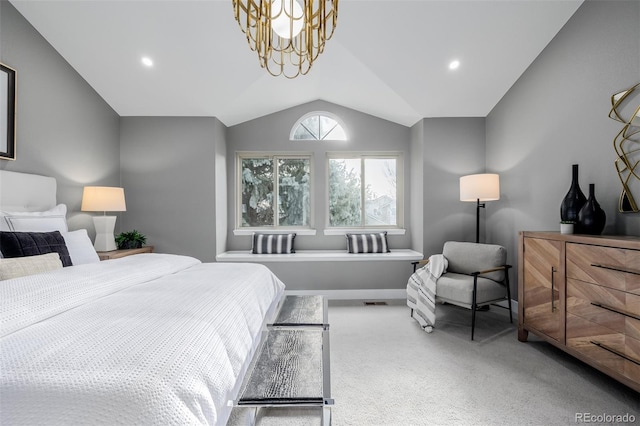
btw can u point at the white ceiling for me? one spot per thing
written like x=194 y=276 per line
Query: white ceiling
x=387 y=58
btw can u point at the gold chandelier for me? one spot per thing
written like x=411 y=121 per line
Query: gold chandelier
x=288 y=35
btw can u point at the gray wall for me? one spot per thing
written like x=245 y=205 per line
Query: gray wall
x=221 y=185
x=64 y=128
x=417 y=189
x=319 y=276
x=452 y=147
x=168 y=167
x=556 y=115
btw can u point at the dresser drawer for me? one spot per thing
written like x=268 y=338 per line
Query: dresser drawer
x=604 y=346
x=632 y=369
x=607 y=266
x=614 y=309
x=633 y=263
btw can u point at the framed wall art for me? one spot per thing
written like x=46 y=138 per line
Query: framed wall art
x=7 y=112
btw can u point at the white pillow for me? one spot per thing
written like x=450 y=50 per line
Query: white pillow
x=17 y=267
x=80 y=247
x=51 y=220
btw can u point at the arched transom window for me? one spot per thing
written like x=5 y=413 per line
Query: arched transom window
x=318 y=126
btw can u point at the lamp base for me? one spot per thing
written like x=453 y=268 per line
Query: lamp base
x=105 y=240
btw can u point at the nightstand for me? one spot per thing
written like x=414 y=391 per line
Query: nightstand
x=116 y=254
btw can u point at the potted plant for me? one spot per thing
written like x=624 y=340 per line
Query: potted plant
x=566 y=226
x=131 y=239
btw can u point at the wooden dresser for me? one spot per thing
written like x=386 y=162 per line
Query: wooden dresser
x=582 y=294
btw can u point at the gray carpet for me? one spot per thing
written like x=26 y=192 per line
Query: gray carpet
x=386 y=371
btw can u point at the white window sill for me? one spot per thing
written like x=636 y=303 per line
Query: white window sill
x=251 y=231
x=320 y=256
x=329 y=231
x=343 y=231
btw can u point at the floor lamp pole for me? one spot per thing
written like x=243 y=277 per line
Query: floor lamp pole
x=478 y=205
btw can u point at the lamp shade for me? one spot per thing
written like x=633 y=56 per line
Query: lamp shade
x=103 y=199
x=482 y=187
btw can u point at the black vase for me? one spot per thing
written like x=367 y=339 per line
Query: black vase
x=573 y=201
x=591 y=217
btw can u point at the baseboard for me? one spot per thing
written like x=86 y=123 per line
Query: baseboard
x=364 y=294
x=374 y=294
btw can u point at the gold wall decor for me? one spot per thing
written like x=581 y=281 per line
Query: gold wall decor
x=627 y=146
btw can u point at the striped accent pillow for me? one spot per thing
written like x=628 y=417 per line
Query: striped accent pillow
x=273 y=243
x=367 y=243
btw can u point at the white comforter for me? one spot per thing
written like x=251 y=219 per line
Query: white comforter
x=146 y=339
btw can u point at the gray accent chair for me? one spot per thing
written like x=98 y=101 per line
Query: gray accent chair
x=477 y=276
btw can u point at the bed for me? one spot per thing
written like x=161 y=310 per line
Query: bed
x=145 y=339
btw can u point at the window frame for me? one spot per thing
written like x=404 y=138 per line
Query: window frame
x=398 y=228
x=334 y=117
x=274 y=156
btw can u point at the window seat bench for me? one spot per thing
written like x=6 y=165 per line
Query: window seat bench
x=320 y=256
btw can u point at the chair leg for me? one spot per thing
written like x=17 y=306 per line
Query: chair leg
x=509 y=295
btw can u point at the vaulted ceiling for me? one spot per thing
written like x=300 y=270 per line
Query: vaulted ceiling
x=389 y=59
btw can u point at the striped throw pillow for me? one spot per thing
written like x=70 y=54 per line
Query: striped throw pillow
x=273 y=243
x=367 y=243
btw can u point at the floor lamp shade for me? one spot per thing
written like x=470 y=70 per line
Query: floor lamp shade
x=103 y=199
x=480 y=187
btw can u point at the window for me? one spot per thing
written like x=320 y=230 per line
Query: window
x=318 y=126
x=365 y=190
x=275 y=190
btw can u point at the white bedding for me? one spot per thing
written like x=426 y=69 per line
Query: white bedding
x=146 y=339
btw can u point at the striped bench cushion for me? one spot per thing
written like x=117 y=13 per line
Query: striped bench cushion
x=273 y=243
x=367 y=243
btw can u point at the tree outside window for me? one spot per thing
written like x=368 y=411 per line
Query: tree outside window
x=275 y=191
x=363 y=191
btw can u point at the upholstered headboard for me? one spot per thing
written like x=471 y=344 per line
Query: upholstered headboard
x=23 y=192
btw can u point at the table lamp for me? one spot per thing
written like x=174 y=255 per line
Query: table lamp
x=103 y=199
x=480 y=187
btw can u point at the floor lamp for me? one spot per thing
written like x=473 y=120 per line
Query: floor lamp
x=477 y=188
x=103 y=199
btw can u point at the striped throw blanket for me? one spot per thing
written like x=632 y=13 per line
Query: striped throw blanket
x=421 y=290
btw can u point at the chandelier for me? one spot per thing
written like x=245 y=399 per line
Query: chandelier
x=288 y=35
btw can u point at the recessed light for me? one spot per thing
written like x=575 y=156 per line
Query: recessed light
x=454 y=64
x=146 y=61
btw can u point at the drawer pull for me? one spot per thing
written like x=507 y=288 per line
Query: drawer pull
x=613 y=351
x=553 y=297
x=617 y=311
x=612 y=268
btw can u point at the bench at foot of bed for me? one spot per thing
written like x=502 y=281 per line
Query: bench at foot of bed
x=291 y=368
